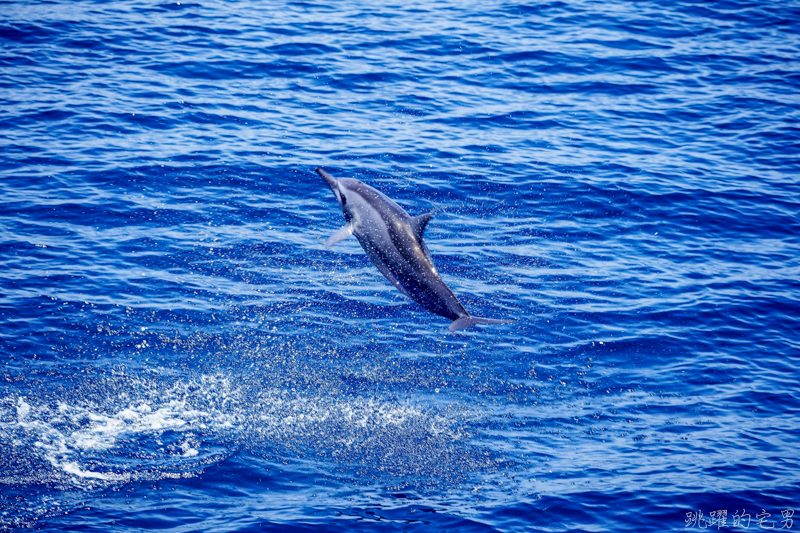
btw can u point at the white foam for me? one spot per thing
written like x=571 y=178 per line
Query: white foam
x=65 y=435
x=89 y=441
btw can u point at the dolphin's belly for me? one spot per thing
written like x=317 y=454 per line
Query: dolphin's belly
x=406 y=265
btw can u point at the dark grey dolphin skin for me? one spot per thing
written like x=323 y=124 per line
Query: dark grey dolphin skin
x=393 y=241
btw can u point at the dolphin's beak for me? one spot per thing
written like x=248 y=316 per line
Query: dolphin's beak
x=332 y=183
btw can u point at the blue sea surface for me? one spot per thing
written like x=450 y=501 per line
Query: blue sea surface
x=179 y=352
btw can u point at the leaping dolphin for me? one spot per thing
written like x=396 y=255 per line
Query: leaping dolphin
x=393 y=241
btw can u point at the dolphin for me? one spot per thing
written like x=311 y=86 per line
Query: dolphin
x=393 y=241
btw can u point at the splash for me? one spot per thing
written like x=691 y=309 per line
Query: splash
x=88 y=440
x=149 y=429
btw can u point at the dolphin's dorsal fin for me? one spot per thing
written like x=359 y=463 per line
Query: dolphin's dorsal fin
x=418 y=224
x=340 y=235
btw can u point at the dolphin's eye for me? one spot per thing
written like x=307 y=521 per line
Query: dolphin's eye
x=344 y=200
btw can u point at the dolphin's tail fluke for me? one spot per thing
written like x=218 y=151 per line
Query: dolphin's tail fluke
x=469 y=321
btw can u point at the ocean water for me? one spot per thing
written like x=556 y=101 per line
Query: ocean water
x=179 y=352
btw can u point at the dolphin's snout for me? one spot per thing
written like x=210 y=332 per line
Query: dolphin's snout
x=332 y=183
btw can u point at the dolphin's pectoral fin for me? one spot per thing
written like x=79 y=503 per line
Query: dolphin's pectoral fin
x=340 y=235
x=469 y=321
x=418 y=224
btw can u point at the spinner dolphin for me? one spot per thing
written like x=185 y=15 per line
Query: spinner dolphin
x=393 y=241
